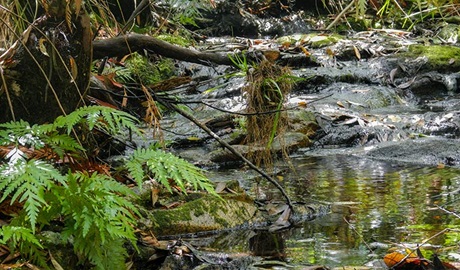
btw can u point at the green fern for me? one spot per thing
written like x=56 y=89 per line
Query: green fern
x=98 y=217
x=108 y=119
x=186 y=12
x=21 y=133
x=163 y=167
x=24 y=237
x=28 y=181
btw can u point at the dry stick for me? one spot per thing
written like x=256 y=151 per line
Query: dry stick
x=230 y=148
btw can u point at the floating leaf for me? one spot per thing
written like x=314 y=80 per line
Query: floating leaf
x=282 y=222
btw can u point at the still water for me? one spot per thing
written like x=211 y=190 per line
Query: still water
x=375 y=206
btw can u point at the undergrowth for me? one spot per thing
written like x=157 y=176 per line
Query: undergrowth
x=94 y=210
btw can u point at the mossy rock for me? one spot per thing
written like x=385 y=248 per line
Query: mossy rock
x=440 y=57
x=303 y=121
x=204 y=214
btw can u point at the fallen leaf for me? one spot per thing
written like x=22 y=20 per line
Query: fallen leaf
x=56 y=265
x=393 y=258
x=42 y=47
x=282 y=222
x=220 y=187
x=73 y=68
x=357 y=54
x=305 y=51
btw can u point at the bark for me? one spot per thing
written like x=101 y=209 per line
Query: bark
x=47 y=72
x=123 y=45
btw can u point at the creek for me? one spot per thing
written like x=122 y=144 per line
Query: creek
x=383 y=154
x=380 y=158
x=375 y=205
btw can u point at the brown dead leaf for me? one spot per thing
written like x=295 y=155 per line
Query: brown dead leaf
x=42 y=47
x=357 y=53
x=73 y=68
x=282 y=222
x=305 y=51
x=155 y=195
x=56 y=265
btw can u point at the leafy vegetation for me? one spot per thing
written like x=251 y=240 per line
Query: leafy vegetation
x=389 y=13
x=148 y=72
x=165 y=167
x=37 y=173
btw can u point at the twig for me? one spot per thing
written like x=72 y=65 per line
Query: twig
x=449 y=212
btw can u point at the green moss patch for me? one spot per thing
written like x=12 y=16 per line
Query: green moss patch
x=204 y=214
x=440 y=57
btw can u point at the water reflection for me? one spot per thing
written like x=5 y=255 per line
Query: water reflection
x=375 y=204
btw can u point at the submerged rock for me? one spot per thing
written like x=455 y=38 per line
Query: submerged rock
x=426 y=151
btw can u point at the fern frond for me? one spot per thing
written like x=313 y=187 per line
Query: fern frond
x=97 y=215
x=62 y=143
x=163 y=167
x=27 y=181
x=105 y=118
x=20 y=133
x=24 y=240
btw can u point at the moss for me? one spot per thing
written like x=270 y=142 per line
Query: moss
x=175 y=39
x=207 y=213
x=441 y=58
x=147 y=72
x=315 y=40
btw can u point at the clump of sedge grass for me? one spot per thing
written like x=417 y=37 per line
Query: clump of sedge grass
x=267 y=87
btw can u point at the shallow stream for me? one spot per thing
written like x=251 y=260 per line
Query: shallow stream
x=375 y=206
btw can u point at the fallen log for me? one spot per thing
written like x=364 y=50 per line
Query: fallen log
x=126 y=44
x=123 y=45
